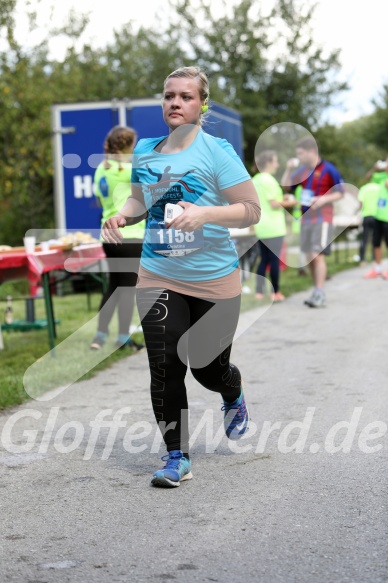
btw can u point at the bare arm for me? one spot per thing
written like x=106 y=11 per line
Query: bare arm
x=286 y=203
x=319 y=201
x=286 y=180
x=370 y=173
x=132 y=212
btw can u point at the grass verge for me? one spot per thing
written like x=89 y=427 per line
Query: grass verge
x=29 y=369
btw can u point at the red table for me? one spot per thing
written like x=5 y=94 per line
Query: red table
x=16 y=264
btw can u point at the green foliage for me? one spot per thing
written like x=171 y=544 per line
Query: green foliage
x=25 y=357
x=27 y=362
x=348 y=149
x=7 y=9
x=378 y=122
x=25 y=168
x=139 y=62
x=265 y=63
x=31 y=83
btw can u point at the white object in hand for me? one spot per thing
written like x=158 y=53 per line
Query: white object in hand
x=172 y=211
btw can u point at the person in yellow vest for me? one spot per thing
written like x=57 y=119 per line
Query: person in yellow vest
x=378 y=174
x=368 y=196
x=112 y=181
x=271 y=229
x=380 y=233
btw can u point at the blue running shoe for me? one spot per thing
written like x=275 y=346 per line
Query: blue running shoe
x=236 y=418
x=176 y=470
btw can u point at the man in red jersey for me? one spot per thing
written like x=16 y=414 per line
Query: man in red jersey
x=322 y=185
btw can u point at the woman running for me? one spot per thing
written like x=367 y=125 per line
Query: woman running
x=194 y=188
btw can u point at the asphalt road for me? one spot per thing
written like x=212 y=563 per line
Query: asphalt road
x=302 y=499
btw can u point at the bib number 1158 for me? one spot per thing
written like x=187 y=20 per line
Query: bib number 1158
x=174 y=242
x=171 y=236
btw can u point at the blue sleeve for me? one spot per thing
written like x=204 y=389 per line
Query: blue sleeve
x=229 y=169
x=336 y=176
x=143 y=146
x=139 y=149
x=134 y=177
x=98 y=175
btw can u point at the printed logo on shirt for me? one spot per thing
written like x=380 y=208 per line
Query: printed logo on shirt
x=169 y=187
x=104 y=186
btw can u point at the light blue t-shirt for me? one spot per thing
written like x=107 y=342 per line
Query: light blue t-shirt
x=197 y=175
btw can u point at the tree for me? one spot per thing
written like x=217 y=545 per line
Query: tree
x=25 y=168
x=137 y=62
x=348 y=148
x=31 y=82
x=265 y=65
x=134 y=65
x=378 y=122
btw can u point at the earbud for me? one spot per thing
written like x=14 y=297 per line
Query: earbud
x=204 y=108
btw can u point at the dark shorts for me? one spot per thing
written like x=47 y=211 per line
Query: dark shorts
x=380 y=233
x=124 y=260
x=316 y=238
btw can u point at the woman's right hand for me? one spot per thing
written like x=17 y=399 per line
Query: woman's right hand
x=110 y=229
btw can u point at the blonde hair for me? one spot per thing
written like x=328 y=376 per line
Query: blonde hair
x=192 y=73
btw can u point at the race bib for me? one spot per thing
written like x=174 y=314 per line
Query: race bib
x=174 y=242
x=306 y=196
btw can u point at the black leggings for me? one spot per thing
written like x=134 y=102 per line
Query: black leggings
x=270 y=250
x=166 y=316
x=368 y=224
x=123 y=263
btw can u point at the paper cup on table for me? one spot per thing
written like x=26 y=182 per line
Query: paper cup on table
x=45 y=246
x=29 y=244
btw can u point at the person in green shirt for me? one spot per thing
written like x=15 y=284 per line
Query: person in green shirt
x=112 y=183
x=380 y=233
x=378 y=173
x=368 y=196
x=271 y=229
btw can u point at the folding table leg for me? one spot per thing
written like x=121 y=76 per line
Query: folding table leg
x=49 y=309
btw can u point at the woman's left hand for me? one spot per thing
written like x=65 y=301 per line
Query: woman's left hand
x=192 y=219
